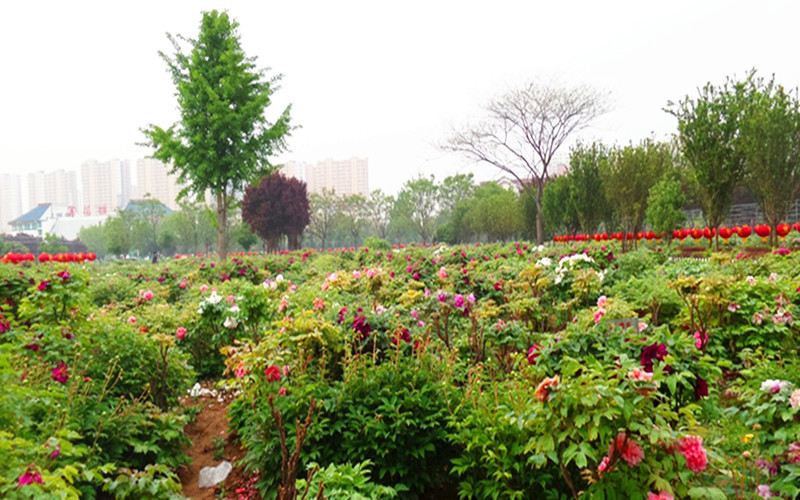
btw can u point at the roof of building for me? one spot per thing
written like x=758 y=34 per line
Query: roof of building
x=34 y=215
x=137 y=206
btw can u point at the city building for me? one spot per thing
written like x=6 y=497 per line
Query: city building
x=10 y=200
x=294 y=169
x=59 y=187
x=39 y=220
x=153 y=178
x=344 y=177
x=106 y=186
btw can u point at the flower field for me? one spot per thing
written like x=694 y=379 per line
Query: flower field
x=480 y=371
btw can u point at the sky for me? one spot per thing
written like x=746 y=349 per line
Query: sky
x=383 y=80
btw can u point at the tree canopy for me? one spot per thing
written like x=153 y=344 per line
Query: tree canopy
x=223 y=140
x=277 y=206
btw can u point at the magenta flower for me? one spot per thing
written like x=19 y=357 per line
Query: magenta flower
x=458 y=301
x=691 y=447
x=533 y=352
x=180 y=333
x=60 y=373
x=30 y=476
x=43 y=285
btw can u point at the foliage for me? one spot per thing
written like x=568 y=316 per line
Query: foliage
x=223 y=139
x=277 y=207
x=346 y=481
x=587 y=196
x=416 y=207
x=665 y=206
x=52 y=244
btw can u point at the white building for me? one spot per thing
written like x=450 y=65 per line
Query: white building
x=344 y=177
x=10 y=200
x=153 y=178
x=106 y=186
x=59 y=187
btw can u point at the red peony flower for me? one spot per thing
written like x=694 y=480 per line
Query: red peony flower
x=629 y=450
x=273 y=373
x=691 y=447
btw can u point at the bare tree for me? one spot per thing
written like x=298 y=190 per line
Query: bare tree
x=525 y=128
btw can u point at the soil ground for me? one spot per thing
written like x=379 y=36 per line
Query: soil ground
x=212 y=422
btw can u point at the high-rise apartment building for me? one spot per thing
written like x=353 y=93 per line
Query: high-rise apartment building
x=344 y=177
x=59 y=187
x=10 y=200
x=153 y=178
x=106 y=186
x=294 y=169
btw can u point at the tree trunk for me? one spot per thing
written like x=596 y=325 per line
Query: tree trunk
x=539 y=214
x=222 y=225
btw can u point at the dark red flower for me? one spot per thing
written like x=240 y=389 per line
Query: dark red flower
x=273 y=373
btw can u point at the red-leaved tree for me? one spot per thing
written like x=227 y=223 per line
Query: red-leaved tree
x=277 y=206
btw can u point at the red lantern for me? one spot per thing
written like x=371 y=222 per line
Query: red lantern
x=709 y=233
x=44 y=257
x=725 y=233
x=650 y=235
x=696 y=233
x=91 y=256
x=763 y=231
x=783 y=230
x=744 y=232
x=796 y=226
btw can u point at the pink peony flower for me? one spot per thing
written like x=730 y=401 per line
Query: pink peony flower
x=183 y=284
x=774 y=386
x=734 y=307
x=441 y=296
x=700 y=340
x=629 y=450
x=240 y=370
x=601 y=301
x=794 y=399
x=30 y=476
x=471 y=298
x=533 y=353
x=282 y=391
x=204 y=288
x=664 y=495
x=146 y=294
x=458 y=301
x=356 y=274
x=131 y=319
x=642 y=326
x=43 y=285
x=763 y=491
x=603 y=465
x=442 y=273
x=180 y=333
x=691 y=447
x=60 y=373
x=639 y=374
x=598 y=315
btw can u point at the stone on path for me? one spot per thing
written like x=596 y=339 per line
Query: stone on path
x=209 y=476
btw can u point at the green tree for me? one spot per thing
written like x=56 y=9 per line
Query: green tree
x=119 y=233
x=94 y=237
x=559 y=212
x=52 y=244
x=147 y=215
x=417 y=207
x=769 y=140
x=495 y=212
x=379 y=208
x=629 y=174
x=587 y=195
x=223 y=140
x=665 y=206
x=453 y=189
x=323 y=207
x=708 y=129
x=353 y=217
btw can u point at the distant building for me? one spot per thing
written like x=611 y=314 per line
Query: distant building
x=10 y=200
x=59 y=187
x=60 y=220
x=106 y=186
x=344 y=177
x=153 y=178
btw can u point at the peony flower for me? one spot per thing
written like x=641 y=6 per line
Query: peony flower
x=700 y=340
x=180 y=333
x=319 y=304
x=533 y=353
x=542 y=392
x=733 y=307
x=240 y=370
x=273 y=373
x=204 y=288
x=664 y=495
x=471 y=298
x=601 y=301
x=60 y=373
x=774 y=386
x=441 y=296
x=598 y=315
x=230 y=322
x=642 y=326
x=640 y=375
x=750 y=280
x=794 y=399
x=30 y=476
x=356 y=274
x=282 y=391
x=763 y=491
x=691 y=447
x=458 y=301
x=603 y=465
x=629 y=450
x=793 y=455
x=43 y=285
x=651 y=353
x=146 y=294
x=442 y=273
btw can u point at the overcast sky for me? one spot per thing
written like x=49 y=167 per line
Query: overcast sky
x=373 y=79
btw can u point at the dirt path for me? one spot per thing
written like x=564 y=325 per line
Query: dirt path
x=210 y=435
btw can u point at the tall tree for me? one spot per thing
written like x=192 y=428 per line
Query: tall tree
x=277 y=206
x=454 y=189
x=628 y=176
x=324 y=207
x=770 y=144
x=665 y=206
x=587 y=194
x=708 y=129
x=525 y=128
x=353 y=217
x=417 y=206
x=223 y=140
x=559 y=212
x=379 y=208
